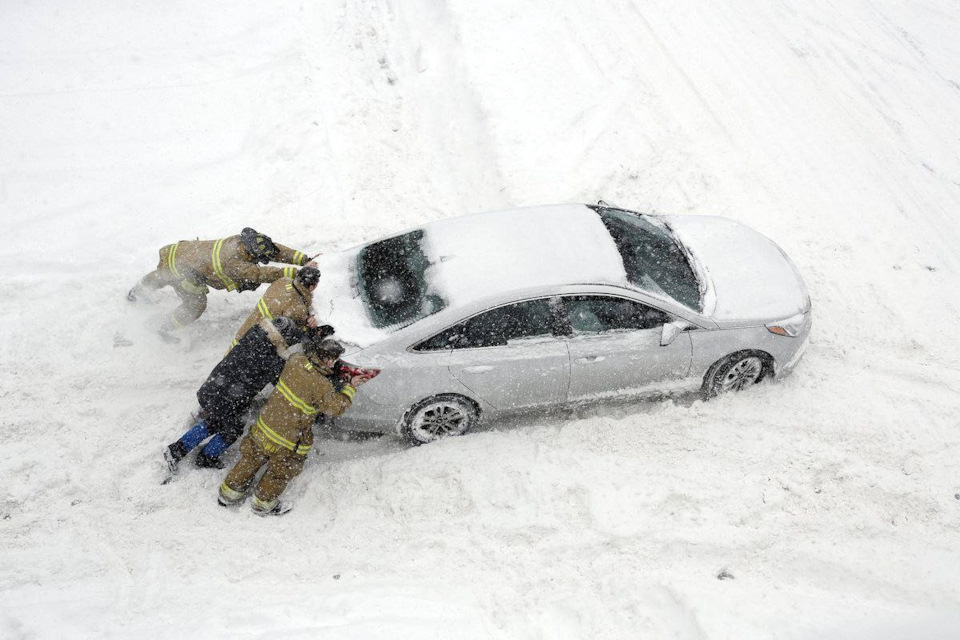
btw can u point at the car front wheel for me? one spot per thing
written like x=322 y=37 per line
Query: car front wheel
x=736 y=372
x=440 y=417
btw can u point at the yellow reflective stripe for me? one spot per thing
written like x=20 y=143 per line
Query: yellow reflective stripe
x=280 y=440
x=294 y=400
x=289 y=272
x=218 y=266
x=264 y=309
x=348 y=390
x=299 y=257
x=191 y=287
x=289 y=286
x=229 y=493
x=172 y=260
x=176 y=323
x=264 y=505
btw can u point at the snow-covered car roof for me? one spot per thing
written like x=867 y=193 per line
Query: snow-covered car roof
x=479 y=255
x=476 y=256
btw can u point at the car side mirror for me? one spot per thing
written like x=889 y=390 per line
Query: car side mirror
x=671 y=330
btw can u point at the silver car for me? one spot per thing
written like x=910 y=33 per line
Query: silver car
x=478 y=316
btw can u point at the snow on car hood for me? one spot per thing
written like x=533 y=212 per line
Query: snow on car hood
x=749 y=277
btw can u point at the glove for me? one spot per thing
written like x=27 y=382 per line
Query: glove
x=321 y=332
x=247 y=285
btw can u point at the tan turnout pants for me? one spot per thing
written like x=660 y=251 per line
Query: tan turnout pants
x=283 y=466
x=193 y=296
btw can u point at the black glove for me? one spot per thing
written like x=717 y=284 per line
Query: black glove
x=247 y=285
x=321 y=332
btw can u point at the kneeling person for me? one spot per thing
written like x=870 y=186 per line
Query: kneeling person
x=283 y=433
x=229 y=390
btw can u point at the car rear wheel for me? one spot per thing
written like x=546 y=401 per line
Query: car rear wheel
x=440 y=417
x=736 y=372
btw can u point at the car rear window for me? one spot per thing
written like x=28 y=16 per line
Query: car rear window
x=392 y=277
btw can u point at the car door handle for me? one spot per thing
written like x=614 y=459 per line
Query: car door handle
x=482 y=368
x=589 y=359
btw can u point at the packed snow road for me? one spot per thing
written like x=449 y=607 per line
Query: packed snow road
x=818 y=507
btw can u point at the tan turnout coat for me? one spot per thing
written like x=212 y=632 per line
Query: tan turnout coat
x=283 y=433
x=225 y=264
x=285 y=297
x=303 y=391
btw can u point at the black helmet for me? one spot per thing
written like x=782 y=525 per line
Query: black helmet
x=308 y=276
x=328 y=348
x=260 y=246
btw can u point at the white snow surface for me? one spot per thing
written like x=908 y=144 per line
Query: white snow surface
x=827 y=501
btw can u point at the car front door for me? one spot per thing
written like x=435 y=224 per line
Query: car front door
x=615 y=348
x=511 y=356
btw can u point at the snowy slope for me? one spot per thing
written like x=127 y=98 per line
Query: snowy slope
x=830 y=498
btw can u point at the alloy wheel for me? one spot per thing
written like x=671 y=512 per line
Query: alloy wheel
x=742 y=374
x=439 y=419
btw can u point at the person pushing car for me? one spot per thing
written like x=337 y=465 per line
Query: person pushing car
x=283 y=433
x=288 y=297
x=193 y=267
x=229 y=390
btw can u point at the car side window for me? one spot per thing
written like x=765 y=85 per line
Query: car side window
x=597 y=314
x=496 y=327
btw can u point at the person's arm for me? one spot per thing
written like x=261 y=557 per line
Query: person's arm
x=256 y=274
x=334 y=402
x=290 y=256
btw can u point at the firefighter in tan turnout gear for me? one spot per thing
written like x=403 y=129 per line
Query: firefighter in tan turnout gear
x=283 y=433
x=289 y=297
x=193 y=267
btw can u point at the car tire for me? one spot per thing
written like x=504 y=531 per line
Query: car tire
x=439 y=417
x=736 y=372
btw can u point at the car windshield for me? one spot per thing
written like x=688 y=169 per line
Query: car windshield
x=393 y=282
x=653 y=259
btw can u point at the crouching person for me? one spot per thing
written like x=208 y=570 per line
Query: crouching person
x=231 y=387
x=283 y=433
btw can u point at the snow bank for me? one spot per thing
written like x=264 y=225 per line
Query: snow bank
x=826 y=503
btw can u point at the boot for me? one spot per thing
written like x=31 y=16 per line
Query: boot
x=279 y=508
x=203 y=461
x=228 y=497
x=173 y=454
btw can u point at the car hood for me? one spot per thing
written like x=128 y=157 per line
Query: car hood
x=749 y=279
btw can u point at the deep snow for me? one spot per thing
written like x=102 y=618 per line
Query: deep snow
x=829 y=498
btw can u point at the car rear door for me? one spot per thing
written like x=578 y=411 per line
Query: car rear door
x=615 y=349
x=511 y=356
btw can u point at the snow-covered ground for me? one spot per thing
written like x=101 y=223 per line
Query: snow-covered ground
x=830 y=500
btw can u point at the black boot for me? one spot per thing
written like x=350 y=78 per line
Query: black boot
x=173 y=454
x=204 y=461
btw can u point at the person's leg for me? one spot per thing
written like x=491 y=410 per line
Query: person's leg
x=235 y=486
x=193 y=303
x=227 y=430
x=282 y=467
x=156 y=279
x=178 y=450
